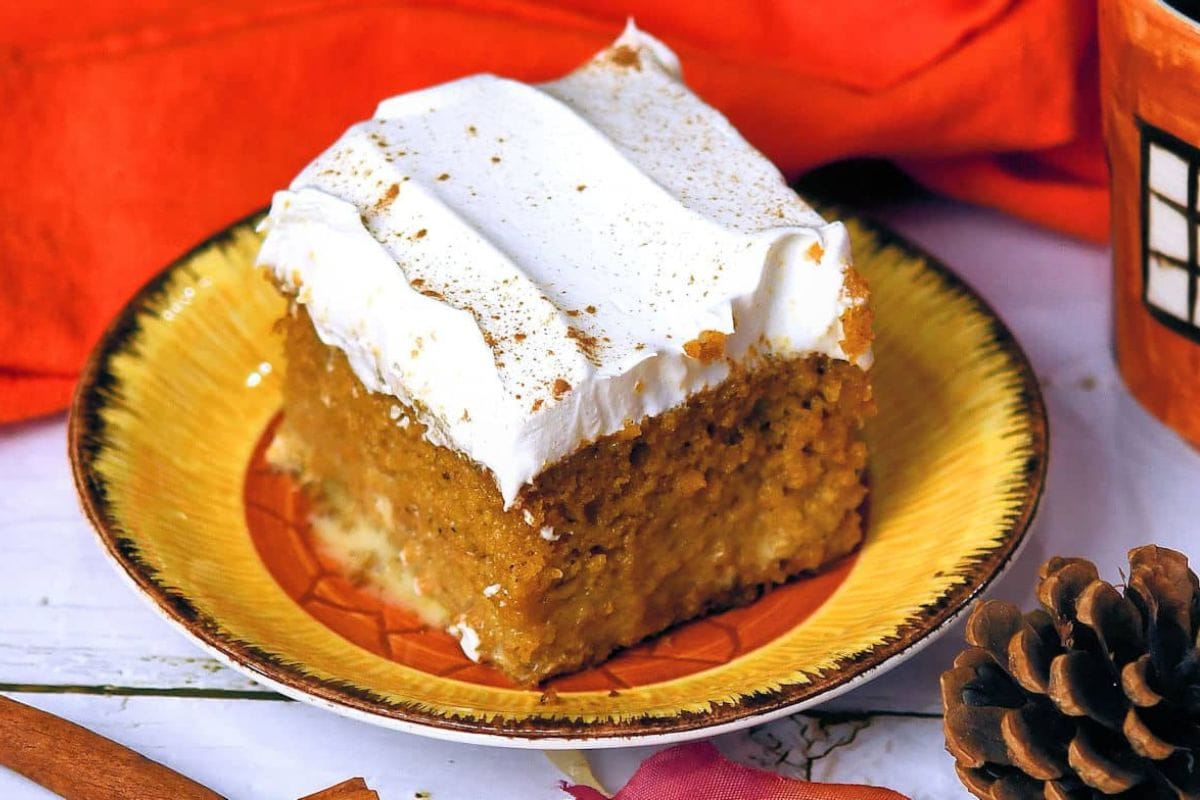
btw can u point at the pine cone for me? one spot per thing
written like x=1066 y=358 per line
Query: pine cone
x=1096 y=694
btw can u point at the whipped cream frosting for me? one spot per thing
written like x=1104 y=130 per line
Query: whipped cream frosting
x=531 y=267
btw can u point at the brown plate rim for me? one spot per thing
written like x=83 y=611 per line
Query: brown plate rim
x=85 y=438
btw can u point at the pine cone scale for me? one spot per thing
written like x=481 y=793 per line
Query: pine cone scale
x=1087 y=757
x=1081 y=686
x=1143 y=740
x=1115 y=621
x=1029 y=661
x=1036 y=741
x=1135 y=683
x=992 y=628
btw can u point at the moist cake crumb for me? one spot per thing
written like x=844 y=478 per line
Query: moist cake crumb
x=742 y=487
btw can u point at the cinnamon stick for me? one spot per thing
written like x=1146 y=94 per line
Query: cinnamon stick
x=353 y=789
x=77 y=764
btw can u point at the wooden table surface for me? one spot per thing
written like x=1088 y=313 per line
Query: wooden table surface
x=76 y=641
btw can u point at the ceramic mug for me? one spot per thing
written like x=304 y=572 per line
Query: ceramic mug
x=1150 y=86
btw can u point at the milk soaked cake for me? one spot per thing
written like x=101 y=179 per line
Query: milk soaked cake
x=574 y=354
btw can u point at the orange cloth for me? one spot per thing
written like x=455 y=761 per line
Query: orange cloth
x=132 y=129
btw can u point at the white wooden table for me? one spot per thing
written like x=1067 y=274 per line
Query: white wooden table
x=76 y=641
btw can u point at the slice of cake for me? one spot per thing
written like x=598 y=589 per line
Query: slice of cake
x=571 y=359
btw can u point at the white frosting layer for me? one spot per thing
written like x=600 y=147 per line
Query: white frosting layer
x=525 y=264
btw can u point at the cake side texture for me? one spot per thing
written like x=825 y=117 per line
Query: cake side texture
x=699 y=508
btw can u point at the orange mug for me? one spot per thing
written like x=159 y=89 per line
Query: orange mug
x=1150 y=87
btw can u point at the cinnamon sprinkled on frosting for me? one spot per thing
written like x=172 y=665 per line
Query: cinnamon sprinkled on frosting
x=625 y=56
x=551 y=246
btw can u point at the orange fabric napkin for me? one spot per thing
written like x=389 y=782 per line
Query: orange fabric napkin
x=134 y=128
x=698 y=771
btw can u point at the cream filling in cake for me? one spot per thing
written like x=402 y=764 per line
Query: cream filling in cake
x=532 y=267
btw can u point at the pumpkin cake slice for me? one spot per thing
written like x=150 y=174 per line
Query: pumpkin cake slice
x=568 y=363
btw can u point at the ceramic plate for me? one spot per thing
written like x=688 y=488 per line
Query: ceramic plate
x=178 y=401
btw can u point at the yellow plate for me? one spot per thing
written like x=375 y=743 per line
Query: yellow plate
x=177 y=397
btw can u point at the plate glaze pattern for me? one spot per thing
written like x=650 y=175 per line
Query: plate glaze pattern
x=175 y=400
